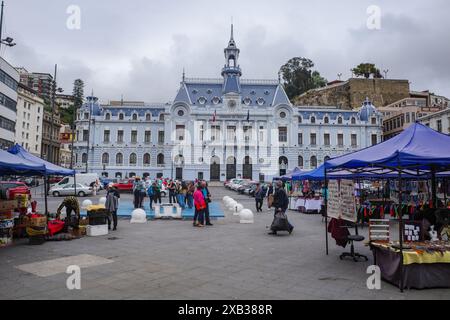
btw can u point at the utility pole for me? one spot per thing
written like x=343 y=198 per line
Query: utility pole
x=8 y=41
x=89 y=130
x=50 y=151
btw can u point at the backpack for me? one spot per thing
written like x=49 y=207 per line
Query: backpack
x=150 y=191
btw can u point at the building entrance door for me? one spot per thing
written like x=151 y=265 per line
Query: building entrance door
x=247 y=169
x=231 y=168
x=214 y=169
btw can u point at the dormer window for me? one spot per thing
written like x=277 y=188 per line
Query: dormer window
x=326 y=120
x=339 y=120
x=148 y=117
x=108 y=116
x=353 y=120
x=121 y=116
x=215 y=100
x=313 y=119
x=260 y=101
x=134 y=117
x=161 y=117
x=247 y=101
x=202 y=100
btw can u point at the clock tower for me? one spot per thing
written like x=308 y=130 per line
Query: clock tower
x=231 y=73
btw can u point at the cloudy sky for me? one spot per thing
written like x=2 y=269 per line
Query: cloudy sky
x=139 y=48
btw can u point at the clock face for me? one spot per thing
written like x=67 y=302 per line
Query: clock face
x=231 y=104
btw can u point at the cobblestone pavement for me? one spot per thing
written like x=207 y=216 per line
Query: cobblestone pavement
x=169 y=259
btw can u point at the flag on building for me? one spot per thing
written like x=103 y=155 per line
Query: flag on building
x=214 y=116
x=248 y=115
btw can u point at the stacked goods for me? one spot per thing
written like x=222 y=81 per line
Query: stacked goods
x=6 y=221
x=36 y=228
x=6 y=231
x=97 y=217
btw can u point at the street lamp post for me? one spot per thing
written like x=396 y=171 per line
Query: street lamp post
x=8 y=41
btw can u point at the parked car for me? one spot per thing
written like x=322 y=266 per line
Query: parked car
x=69 y=190
x=9 y=188
x=125 y=185
x=250 y=189
x=237 y=184
x=30 y=181
x=245 y=185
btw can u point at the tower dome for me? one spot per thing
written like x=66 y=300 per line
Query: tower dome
x=367 y=110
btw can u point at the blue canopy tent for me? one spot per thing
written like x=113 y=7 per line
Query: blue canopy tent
x=12 y=164
x=418 y=150
x=49 y=168
x=288 y=176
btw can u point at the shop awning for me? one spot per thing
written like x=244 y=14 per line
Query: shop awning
x=11 y=164
x=418 y=148
x=50 y=168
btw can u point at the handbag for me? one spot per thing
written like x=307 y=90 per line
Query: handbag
x=270 y=200
x=280 y=222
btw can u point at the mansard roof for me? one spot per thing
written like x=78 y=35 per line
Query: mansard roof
x=262 y=93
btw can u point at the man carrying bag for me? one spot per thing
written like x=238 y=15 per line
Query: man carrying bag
x=280 y=203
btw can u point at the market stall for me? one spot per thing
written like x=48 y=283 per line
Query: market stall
x=19 y=216
x=420 y=252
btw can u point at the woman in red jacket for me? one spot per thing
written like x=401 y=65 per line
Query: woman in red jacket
x=200 y=206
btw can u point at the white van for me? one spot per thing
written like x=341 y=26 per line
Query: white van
x=83 y=178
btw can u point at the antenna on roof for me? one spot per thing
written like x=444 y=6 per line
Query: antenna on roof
x=121 y=99
x=183 y=75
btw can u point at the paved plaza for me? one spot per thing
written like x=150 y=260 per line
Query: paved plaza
x=170 y=259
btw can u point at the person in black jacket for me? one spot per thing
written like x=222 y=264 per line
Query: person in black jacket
x=280 y=203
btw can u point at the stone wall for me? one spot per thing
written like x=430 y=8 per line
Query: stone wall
x=351 y=93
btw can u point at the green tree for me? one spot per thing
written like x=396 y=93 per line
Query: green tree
x=366 y=70
x=298 y=76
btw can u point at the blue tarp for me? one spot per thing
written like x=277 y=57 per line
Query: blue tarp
x=11 y=164
x=417 y=146
x=50 y=168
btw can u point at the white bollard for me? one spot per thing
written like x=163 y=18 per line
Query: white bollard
x=246 y=216
x=138 y=216
x=157 y=208
x=102 y=201
x=238 y=208
x=86 y=203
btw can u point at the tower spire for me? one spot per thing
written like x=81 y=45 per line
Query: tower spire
x=232 y=37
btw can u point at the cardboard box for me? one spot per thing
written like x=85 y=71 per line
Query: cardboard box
x=7 y=205
x=37 y=222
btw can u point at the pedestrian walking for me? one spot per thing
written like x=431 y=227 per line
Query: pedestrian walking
x=269 y=196
x=190 y=195
x=280 y=203
x=200 y=206
x=138 y=192
x=171 y=187
x=207 y=197
x=259 y=197
x=111 y=205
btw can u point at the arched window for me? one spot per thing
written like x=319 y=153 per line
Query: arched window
x=148 y=117
x=121 y=116
x=300 y=119
x=326 y=158
x=326 y=120
x=313 y=162
x=105 y=158
x=108 y=116
x=339 y=120
x=84 y=158
x=160 y=159
x=161 y=117
x=135 y=116
x=118 y=175
x=300 y=161
x=133 y=159
x=119 y=159
x=353 y=120
x=146 y=159
x=132 y=174
x=313 y=119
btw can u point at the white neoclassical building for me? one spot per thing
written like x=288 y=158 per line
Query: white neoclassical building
x=217 y=129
